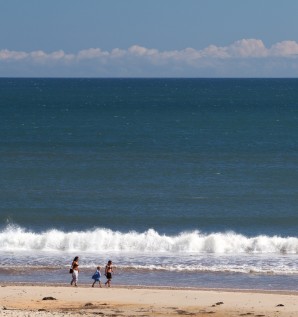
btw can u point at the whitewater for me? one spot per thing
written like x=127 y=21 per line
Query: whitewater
x=15 y=238
x=194 y=255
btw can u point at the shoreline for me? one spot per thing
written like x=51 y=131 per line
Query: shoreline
x=158 y=287
x=24 y=299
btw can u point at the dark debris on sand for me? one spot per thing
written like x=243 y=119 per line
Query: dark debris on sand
x=49 y=298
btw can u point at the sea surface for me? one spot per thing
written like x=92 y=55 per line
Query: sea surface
x=180 y=182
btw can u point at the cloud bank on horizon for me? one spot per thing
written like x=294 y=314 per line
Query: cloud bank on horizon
x=243 y=58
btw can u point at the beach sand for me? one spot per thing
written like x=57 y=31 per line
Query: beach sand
x=29 y=300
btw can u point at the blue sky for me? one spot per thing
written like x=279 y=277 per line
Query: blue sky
x=156 y=38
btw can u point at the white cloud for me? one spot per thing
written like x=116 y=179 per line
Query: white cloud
x=37 y=55
x=117 y=53
x=92 y=53
x=58 y=55
x=247 y=56
x=215 y=52
x=15 y=55
x=284 y=49
x=247 y=48
x=142 y=51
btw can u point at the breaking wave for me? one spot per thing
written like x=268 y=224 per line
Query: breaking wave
x=14 y=238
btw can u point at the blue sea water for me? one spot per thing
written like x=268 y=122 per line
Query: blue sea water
x=187 y=182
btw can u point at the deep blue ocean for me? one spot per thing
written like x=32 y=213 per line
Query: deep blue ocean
x=181 y=182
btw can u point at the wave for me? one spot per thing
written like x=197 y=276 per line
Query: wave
x=244 y=269
x=145 y=269
x=14 y=238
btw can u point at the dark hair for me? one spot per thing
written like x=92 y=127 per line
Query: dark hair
x=76 y=258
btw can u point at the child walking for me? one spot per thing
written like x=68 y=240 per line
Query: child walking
x=108 y=273
x=96 y=277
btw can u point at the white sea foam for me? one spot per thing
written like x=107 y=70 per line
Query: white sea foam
x=215 y=268
x=14 y=238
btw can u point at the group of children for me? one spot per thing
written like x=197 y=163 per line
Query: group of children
x=108 y=273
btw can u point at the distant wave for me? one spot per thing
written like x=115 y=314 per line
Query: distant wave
x=14 y=238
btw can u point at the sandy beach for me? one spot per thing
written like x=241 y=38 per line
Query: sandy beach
x=58 y=300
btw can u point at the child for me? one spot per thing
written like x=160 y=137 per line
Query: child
x=96 y=277
x=108 y=273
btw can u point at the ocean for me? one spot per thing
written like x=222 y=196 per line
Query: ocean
x=180 y=182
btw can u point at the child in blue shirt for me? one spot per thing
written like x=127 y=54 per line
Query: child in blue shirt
x=96 y=277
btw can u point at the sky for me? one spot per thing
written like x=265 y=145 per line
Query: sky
x=156 y=38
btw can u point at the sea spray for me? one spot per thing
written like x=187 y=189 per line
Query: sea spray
x=14 y=238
